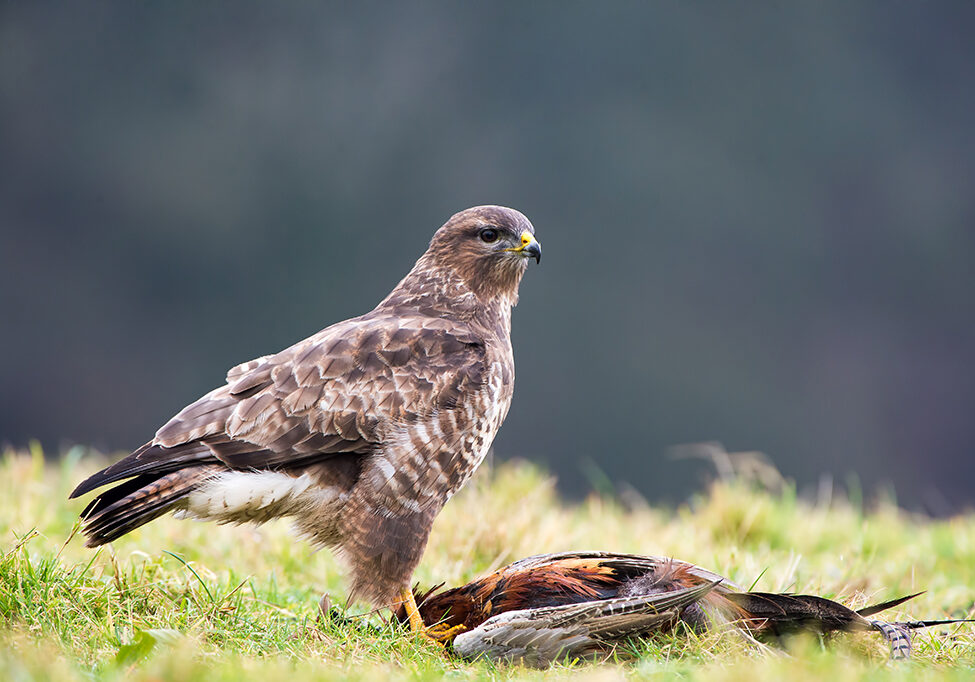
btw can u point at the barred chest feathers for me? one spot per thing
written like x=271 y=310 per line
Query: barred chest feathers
x=485 y=413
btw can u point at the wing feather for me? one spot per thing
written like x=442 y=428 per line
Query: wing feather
x=336 y=392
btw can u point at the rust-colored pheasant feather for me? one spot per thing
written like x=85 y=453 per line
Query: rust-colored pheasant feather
x=361 y=432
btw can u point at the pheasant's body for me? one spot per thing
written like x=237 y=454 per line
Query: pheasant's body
x=577 y=604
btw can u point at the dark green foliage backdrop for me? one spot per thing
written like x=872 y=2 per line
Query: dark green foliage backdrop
x=758 y=222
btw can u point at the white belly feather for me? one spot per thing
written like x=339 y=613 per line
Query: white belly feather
x=256 y=496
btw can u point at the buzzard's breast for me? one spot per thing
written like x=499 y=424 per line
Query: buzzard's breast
x=484 y=414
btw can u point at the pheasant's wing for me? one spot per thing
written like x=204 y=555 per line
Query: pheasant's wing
x=537 y=637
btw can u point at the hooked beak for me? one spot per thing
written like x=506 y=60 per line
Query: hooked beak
x=530 y=248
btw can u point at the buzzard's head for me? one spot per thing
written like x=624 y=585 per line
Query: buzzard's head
x=488 y=247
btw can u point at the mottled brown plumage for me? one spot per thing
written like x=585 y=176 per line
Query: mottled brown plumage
x=361 y=432
x=579 y=604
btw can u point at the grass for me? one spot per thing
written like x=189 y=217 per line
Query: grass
x=182 y=600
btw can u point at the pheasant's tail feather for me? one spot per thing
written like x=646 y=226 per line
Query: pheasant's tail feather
x=127 y=506
x=918 y=624
x=868 y=611
x=897 y=636
x=779 y=614
x=900 y=635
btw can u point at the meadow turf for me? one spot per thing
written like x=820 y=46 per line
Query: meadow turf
x=180 y=600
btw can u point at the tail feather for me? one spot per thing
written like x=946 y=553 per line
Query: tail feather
x=899 y=638
x=779 y=614
x=112 y=495
x=868 y=611
x=124 y=508
x=918 y=624
x=899 y=635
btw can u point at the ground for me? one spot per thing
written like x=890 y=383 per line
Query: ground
x=181 y=600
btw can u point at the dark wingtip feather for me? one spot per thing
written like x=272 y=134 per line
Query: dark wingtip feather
x=87 y=485
x=126 y=467
x=152 y=460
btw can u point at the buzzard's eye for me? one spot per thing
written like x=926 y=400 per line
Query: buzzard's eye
x=489 y=235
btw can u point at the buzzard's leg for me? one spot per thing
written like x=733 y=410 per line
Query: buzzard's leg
x=412 y=611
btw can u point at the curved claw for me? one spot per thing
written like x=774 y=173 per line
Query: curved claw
x=443 y=633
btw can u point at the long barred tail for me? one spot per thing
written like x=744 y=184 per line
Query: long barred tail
x=137 y=501
x=897 y=636
x=781 y=613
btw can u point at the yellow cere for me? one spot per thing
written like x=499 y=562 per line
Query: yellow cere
x=526 y=239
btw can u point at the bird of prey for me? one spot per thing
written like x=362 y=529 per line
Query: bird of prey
x=360 y=433
x=580 y=604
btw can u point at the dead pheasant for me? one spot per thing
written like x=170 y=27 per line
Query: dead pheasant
x=580 y=604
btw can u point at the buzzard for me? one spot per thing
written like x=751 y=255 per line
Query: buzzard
x=360 y=433
x=582 y=604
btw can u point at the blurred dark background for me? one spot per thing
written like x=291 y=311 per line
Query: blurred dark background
x=758 y=221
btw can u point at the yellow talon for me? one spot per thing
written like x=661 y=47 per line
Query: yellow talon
x=443 y=633
x=440 y=633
